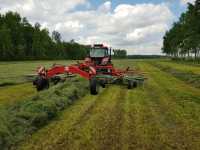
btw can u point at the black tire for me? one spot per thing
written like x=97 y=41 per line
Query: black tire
x=134 y=84
x=93 y=86
x=56 y=79
x=41 y=83
x=103 y=85
x=130 y=84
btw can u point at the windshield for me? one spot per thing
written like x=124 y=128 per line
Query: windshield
x=98 y=52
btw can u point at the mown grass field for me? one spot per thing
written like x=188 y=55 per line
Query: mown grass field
x=162 y=114
x=15 y=72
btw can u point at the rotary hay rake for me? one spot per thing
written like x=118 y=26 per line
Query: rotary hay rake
x=97 y=68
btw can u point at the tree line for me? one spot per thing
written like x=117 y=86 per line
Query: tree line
x=183 y=39
x=19 y=40
x=118 y=53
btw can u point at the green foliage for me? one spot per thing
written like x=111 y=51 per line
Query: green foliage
x=120 y=53
x=5 y=42
x=182 y=40
x=19 y=40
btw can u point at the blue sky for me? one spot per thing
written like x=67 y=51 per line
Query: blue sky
x=135 y=25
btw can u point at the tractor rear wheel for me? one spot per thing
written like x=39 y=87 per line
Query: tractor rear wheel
x=93 y=86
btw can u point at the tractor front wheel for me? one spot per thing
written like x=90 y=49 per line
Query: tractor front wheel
x=93 y=86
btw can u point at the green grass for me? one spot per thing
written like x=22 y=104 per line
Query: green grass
x=162 y=114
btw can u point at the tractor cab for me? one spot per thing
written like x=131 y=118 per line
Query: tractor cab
x=100 y=54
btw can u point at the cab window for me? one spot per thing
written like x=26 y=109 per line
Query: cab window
x=98 y=52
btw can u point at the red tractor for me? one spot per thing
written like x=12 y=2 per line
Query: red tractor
x=97 y=68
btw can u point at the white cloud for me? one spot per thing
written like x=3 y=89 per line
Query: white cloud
x=187 y=1
x=39 y=10
x=138 y=28
x=135 y=27
x=146 y=33
x=72 y=26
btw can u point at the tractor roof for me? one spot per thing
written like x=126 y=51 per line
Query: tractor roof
x=99 y=46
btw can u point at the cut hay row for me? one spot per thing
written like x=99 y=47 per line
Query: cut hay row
x=183 y=72
x=29 y=114
x=181 y=67
x=10 y=95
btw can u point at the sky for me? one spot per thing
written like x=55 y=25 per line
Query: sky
x=135 y=25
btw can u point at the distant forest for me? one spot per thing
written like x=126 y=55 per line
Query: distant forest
x=183 y=39
x=146 y=56
x=19 y=40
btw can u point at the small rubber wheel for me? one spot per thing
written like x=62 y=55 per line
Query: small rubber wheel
x=93 y=86
x=41 y=83
x=103 y=85
x=135 y=84
x=56 y=79
x=130 y=84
